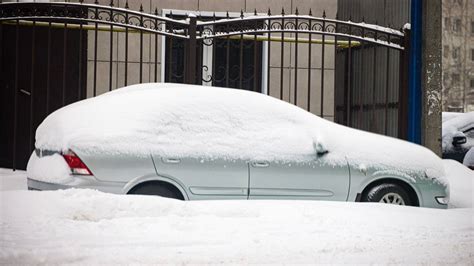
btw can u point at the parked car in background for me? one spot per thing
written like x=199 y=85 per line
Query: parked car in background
x=469 y=159
x=457 y=135
x=193 y=142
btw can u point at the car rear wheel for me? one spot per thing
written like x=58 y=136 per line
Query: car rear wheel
x=389 y=194
x=157 y=189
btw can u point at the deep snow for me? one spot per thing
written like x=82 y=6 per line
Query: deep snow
x=90 y=227
x=211 y=122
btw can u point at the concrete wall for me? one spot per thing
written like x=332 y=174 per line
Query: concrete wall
x=262 y=6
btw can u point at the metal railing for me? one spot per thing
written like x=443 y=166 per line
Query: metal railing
x=287 y=56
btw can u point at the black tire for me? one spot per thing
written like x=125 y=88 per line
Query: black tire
x=388 y=191
x=157 y=189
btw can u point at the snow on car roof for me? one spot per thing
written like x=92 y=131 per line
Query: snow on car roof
x=458 y=122
x=210 y=122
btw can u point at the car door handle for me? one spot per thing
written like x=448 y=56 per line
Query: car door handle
x=171 y=160
x=260 y=164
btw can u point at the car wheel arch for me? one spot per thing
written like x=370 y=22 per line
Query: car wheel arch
x=140 y=181
x=412 y=192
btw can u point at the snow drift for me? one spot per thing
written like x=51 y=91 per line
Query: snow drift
x=85 y=227
x=212 y=122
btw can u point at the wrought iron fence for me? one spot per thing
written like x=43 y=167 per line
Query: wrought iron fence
x=51 y=54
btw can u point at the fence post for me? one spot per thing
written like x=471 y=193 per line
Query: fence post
x=191 y=51
x=403 y=87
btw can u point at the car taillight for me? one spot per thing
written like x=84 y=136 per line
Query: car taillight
x=75 y=163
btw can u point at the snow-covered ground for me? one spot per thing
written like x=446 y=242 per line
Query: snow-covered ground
x=89 y=227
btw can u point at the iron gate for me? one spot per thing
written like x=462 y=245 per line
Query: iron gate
x=287 y=56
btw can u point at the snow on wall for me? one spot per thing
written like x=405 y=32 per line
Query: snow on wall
x=210 y=122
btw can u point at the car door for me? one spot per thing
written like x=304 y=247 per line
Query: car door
x=204 y=178
x=310 y=180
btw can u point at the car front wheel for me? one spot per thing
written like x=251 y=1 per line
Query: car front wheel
x=388 y=193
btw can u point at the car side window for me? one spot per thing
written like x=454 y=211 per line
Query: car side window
x=469 y=133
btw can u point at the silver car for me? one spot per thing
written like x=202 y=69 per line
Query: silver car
x=199 y=143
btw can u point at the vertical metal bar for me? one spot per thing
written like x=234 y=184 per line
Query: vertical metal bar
x=241 y=59
x=227 y=64
x=335 y=76
x=191 y=54
x=374 y=84
x=295 y=92
x=141 y=45
x=281 y=55
x=32 y=82
x=404 y=68
x=415 y=77
x=15 y=105
x=126 y=46
x=79 y=83
x=48 y=67
x=156 y=47
x=95 y=50
x=255 y=73
x=269 y=54
x=308 y=104
x=349 y=80
x=170 y=58
x=362 y=87
x=387 y=84
x=241 y=53
x=111 y=46
x=322 y=64
x=64 y=63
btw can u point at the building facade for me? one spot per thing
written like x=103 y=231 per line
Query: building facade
x=458 y=55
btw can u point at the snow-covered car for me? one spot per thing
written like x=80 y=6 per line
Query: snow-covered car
x=458 y=135
x=193 y=142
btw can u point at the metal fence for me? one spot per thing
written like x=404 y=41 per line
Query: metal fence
x=50 y=55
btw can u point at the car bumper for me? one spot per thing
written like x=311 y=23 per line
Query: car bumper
x=77 y=182
x=433 y=194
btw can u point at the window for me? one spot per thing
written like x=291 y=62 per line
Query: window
x=456 y=52
x=447 y=24
x=472 y=54
x=472 y=84
x=446 y=51
x=472 y=27
x=469 y=133
x=457 y=25
x=455 y=80
x=221 y=62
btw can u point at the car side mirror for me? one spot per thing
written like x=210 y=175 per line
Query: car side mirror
x=319 y=148
x=458 y=140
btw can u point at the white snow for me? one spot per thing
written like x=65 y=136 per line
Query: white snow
x=88 y=227
x=461 y=184
x=449 y=115
x=210 y=122
x=12 y=180
x=51 y=169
